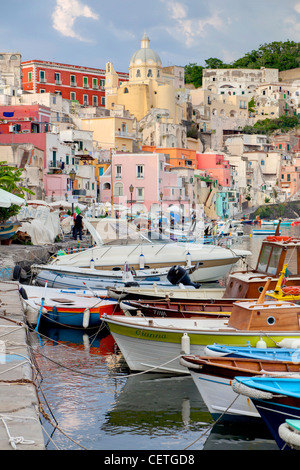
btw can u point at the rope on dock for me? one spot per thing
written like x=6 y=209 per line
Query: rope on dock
x=19 y=439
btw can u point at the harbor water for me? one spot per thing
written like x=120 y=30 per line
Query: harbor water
x=92 y=401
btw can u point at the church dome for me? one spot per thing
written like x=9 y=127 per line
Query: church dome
x=145 y=55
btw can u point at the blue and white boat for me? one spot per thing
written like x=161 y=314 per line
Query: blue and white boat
x=275 y=398
x=273 y=354
x=265 y=232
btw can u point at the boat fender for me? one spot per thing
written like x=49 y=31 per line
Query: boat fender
x=23 y=293
x=86 y=318
x=188 y=260
x=261 y=344
x=142 y=261
x=242 y=389
x=17 y=273
x=189 y=365
x=92 y=264
x=290 y=436
x=291 y=343
x=185 y=344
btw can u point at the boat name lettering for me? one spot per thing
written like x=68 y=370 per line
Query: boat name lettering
x=160 y=313
x=148 y=334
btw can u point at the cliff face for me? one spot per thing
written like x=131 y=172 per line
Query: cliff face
x=286 y=210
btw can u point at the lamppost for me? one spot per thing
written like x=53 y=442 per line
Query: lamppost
x=161 y=195
x=131 y=188
x=72 y=175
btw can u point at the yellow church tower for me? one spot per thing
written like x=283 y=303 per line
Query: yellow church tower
x=146 y=87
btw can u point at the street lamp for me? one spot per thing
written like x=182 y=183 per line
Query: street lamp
x=131 y=188
x=72 y=175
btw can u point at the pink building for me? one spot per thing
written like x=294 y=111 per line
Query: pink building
x=216 y=166
x=146 y=174
x=31 y=124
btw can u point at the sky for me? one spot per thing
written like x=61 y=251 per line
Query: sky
x=92 y=32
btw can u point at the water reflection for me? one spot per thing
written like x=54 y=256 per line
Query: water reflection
x=86 y=384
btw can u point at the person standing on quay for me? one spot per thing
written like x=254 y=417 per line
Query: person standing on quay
x=78 y=227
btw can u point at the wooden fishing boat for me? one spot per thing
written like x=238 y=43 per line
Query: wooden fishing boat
x=213 y=378
x=275 y=252
x=275 y=398
x=152 y=342
x=216 y=308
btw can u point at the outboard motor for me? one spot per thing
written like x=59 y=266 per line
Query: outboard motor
x=178 y=275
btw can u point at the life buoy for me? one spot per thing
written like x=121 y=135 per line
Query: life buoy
x=291 y=290
x=273 y=238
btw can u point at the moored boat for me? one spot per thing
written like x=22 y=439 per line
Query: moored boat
x=279 y=353
x=213 y=378
x=117 y=243
x=275 y=398
x=73 y=308
x=217 y=308
x=275 y=252
x=148 y=342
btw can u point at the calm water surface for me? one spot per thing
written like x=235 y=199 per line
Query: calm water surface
x=98 y=405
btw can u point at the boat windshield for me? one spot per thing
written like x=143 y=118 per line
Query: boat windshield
x=109 y=231
x=269 y=259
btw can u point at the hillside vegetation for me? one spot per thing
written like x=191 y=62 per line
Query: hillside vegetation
x=277 y=55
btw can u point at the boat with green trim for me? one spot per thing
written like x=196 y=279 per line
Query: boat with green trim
x=157 y=343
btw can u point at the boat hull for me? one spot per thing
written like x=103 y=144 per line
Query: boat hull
x=274 y=414
x=146 y=346
x=221 y=400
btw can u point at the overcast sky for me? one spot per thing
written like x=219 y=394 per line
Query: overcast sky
x=92 y=32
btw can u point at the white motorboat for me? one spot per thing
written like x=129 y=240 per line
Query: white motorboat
x=118 y=242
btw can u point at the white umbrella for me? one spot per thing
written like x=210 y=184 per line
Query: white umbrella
x=37 y=202
x=7 y=199
x=67 y=205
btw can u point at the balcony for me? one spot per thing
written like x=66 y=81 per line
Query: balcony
x=125 y=134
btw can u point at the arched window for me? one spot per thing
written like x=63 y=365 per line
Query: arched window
x=149 y=74
x=106 y=186
x=138 y=73
x=158 y=74
x=13 y=57
x=118 y=189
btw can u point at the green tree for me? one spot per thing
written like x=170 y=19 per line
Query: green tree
x=10 y=180
x=214 y=63
x=251 y=105
x=193 y=74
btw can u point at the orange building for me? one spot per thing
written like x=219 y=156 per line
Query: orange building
x=177 y=157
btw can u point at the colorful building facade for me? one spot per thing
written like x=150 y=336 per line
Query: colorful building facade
x=85 y=85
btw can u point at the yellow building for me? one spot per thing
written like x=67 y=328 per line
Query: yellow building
x=147 y=87
x=111 y=132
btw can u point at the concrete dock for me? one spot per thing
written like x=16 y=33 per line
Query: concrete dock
x=20 y=428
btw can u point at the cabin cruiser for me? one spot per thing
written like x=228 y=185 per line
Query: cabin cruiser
x=117 y=242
